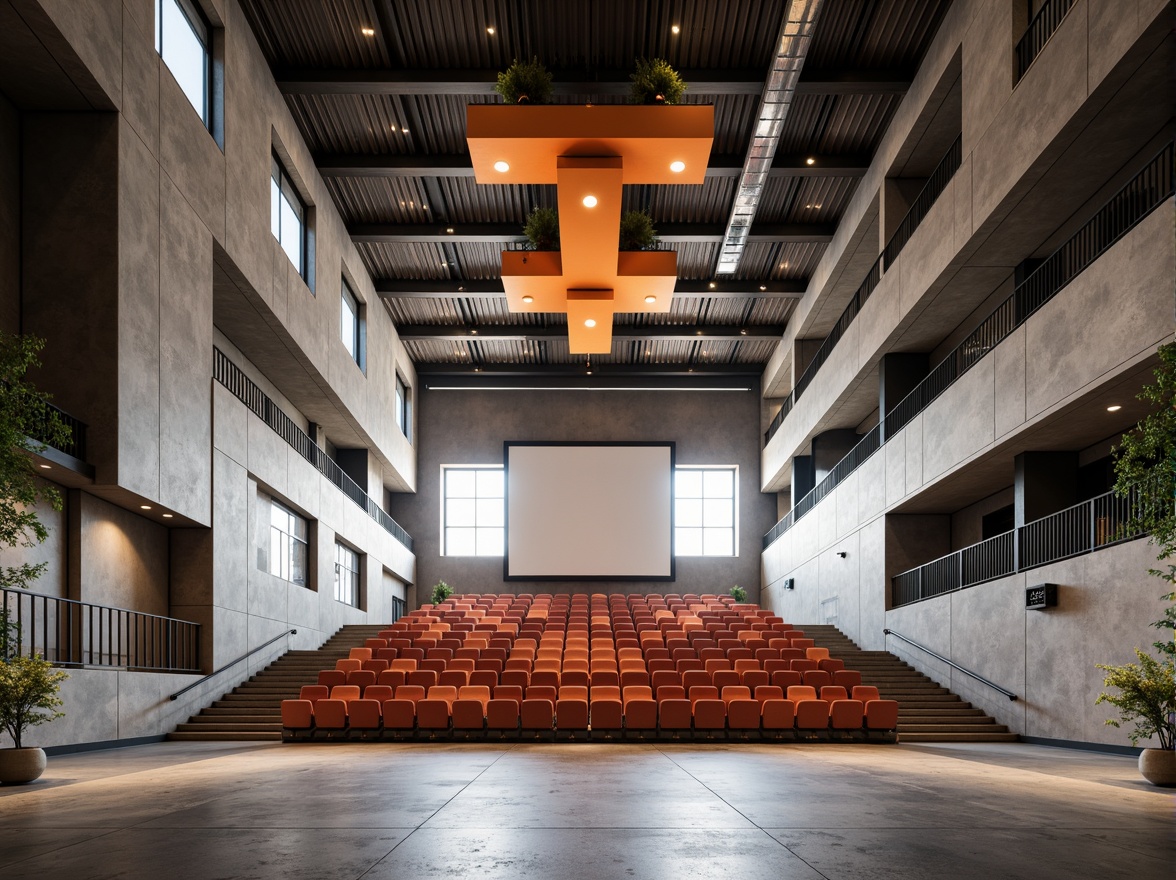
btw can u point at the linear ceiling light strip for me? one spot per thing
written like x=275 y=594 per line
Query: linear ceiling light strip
x=791 y=48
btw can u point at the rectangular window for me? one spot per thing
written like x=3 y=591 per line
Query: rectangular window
x=182 y=39
x=351 y=325
x=472 y=513
x=287 y=216
x=704 y=511
x=346 y=575
x=288 y=544
x=403 y=408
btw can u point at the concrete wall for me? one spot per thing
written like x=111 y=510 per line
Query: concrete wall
x=1106 y=603
x=469 y=427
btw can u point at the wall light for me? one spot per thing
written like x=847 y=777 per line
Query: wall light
x=589 y=201
x=674 y=29
x=144 y=507
x=167 y=516
x=1114 y=408
x=47 y=467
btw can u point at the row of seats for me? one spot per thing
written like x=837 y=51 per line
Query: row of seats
x=572 y=712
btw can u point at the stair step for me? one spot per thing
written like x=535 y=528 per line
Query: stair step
x=232 y=721
x=972 y=727
x=224 y=736
x=957 y=737
x=938 y=712
x=236 y=709
x=242 y=727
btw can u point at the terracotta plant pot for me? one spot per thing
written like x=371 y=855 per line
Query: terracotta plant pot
x=1157 y=766
x=18 y=766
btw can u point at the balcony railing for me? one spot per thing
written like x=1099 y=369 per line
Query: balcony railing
x=1150 y=188
x=931 y=191
x=260 y=404
x=1044 y=23
x=1083 y=528
x=75 y=441
x=71 y=633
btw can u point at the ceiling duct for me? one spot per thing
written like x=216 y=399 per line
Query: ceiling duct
x=791 y=47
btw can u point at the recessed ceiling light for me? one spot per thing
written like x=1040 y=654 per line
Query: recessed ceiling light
x=528 y=299
x=46 y=466
x=711 y=285
x=367 y=31
x=810 y=161
x=677 y=167
x=449 y=229
x=501 y=167
x=144 y=507
x=405 y=131
x=651 y=298
x=490 y=31
x=590 y=322
x=1114 y=408
x=474 y=332
x=589 y=201
x=674 y=29
x=808 y=206
x=167 y=516
x=743 y=331
x=763 y=287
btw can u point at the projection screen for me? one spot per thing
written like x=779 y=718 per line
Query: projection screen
x=589 y=511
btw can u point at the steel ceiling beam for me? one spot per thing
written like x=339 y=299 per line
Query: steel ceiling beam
x=599 y=370
x=499 y=332
x=390 y=288
x=384 y=165
x=511 y=233
x=312 y=81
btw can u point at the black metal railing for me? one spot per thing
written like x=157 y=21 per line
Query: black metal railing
x=919 y=209
x=1083 y=528
x=1040 y=29
x=232 y=663
x=927 y=197
x=1150 y=188
x=951 y=663
x=260 y=404
x=74 y=443
x=71 y=633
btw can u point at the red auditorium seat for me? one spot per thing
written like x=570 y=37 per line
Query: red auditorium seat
x=743 y=712
x=640 y=711
x=469 y=710
x=831 y=665
x=332 y=677
x=844 y=714
x=847 y=678
x=817 y=678
x=606 y=712
x=880 y=715
x=361 y=678
x=812 y=713
x=425 y=678
x=673 y=711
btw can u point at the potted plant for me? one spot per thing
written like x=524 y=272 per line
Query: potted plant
x=441 y=592
x=28 y=696
x=525 y=82
x=1145 y=474
x=655 y=82
x=738 y=593
x=542 y=229
x=637 y=232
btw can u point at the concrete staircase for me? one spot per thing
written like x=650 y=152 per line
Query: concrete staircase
x=253 y=709
x=927 y=712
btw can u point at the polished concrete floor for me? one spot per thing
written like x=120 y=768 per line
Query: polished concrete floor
x=237 y=810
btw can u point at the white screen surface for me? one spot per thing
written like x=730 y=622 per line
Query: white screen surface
x=589 y=511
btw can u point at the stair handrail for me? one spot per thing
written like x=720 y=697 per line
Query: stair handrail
x=952 y=664
x=216 y=672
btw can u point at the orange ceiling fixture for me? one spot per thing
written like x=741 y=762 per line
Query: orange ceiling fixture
x=589 y=152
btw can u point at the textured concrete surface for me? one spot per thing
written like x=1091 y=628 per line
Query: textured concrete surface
x=271 y=810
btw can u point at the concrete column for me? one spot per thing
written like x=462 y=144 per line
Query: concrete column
x=802 y=477
x=898 y=374
x=1044 y=483
x=829 y=448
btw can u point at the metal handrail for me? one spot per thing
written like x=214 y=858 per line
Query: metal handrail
x=1037 y=34
x=952 y=664
x=289 y=632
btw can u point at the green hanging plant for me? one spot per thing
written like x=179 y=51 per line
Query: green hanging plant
x=637 y=232
x=655 y=82
x=525 y=82
x=542 y=229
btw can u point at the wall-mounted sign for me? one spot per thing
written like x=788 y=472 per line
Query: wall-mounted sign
x=1041 y=596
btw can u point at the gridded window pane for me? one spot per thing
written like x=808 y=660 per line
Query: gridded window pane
x=288 y=544
x=346 y=575
x=474 y=513
x=181 y=39
x=688 y=542
x=704 y=511
x=688 y=483
x=688 y=512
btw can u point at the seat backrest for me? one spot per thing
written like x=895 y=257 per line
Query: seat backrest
x=361 y=678
x=606 y=693
x=732 y=692
x=345 y=692
x=360 y=654
x=378 y=692
x=542 y=692
x=818 y=678
x=404 y=665
x=391 y=677
x=474 y=692
x=638 y=692
x=703 y=692
x=799 y=692
x=573 y=692
x=817 y=653
x=671 y=692
x=314 y=692
x=865 y=693
x=446 y=692
x=694 y=678
x=833 y=692
x=769 y=692
x=509 y=692
x=348 y=664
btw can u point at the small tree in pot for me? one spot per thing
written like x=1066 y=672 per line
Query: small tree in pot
x=655 y=82
x=28 y=697
x=525 y=82
x=542 y=229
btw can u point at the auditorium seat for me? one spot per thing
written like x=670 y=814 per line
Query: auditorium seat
x=673 y=710
x=457 y=678
x=574 y=677
x=640 y=710
x=664 y=677
x=426 y=678
x=812 y=713
x=391 y=677
x=879 y=714
x=725 y=678
x=299 y=714
x=571 y=711
x=817 y=654
x=332 y=677
x=845 y=714
x=331 y=714
x=434 y=712
x=361 y=678
x=351 y=664
x=694 y=678
x=360 y=654
x=786 y=679
x=831 y=665
x=484 y=678
x=469 y=709
x=606 y=712
x=817 y=678
x=753 y=678
x=847 y=678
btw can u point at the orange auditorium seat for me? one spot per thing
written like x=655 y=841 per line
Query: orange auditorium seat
x=391 y=677
x=640 y=709
x=433 y=712
x=361 y=678
x=844 y=713
x=606 y=712
x=426 y=678
x=847 y=678
x=817 y=678
x=812 y=713
x=349 y=664
x=470 y=707
x=879 y=714
x=332 y=677
x=673 y=710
